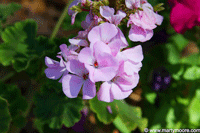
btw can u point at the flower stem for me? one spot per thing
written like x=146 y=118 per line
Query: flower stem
x=55 y=31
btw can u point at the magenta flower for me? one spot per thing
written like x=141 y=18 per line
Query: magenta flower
x=108 y=34
x=108 y=13
x=55 y=69
x=102 y=66
x=143 y=23
x=185 y=14
x=72 y=83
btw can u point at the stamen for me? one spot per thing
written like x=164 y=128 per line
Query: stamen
x=95 y=64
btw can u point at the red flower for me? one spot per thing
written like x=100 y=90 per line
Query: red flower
x=185 y=14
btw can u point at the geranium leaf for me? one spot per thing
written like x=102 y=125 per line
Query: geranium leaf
x=102 y=110
x=54 y=108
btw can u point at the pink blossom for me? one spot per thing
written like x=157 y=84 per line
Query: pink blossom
x=185 y=14
x=109 y=34
x=127 y=77
x=55 y=69
x=143 y=23
x=120 y=87
x=72 y=83
x=102 y=66
x=108 y=13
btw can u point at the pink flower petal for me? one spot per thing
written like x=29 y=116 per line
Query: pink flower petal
x=91 y=70
x=71 y=85
x=134 y=54
x=115 y=46
x=107 y=32
x=107 y=12
x=118 y=17
x=85 y=56
x=136 y=33
x=127 y=83
x=100 y=47
x=104 y=92
x=89 y=89
x=94 y=35
x=117 y=93
x=131 y=4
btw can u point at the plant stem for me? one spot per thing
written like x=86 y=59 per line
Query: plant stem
x=55 y=31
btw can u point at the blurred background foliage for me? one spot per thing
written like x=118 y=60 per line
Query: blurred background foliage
x=167 y=96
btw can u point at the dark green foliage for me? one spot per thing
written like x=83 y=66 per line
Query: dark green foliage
x=17 y=103
x=5 y=117
x=21 y=45
x=54 y=108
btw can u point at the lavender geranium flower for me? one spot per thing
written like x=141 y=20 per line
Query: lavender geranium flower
x=72 y=83
x=55 y=69
x=143 y=23
x=68 y=53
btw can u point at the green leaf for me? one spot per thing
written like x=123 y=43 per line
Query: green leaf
x=194 y=109
x=102 y=111
x=177 y=71
x=5 y=117
x=173 y=54
x=151 y=97
x=130 y=116
x=170 y=118
x=7 y=10
x=179 y=41
x=17 y=103
x=192 y=73
x=39 y=125
x=120 y=125
x=193 y=59
x=21 y=45
x=54 y=108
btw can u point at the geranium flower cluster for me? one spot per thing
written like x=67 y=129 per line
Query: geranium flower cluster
x=97 y=61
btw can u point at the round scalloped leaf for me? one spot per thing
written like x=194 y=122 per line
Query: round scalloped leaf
x=54 y=108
